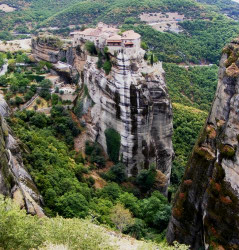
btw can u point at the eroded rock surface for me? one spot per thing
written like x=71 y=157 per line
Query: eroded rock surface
x=206 y=208
x=14 y=179
x=133 y=100
x=57 y=52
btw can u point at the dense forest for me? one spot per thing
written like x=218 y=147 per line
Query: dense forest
x=228 y=7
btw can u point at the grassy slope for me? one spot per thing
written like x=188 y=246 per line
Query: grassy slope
x=31 y=11
x=21 y=231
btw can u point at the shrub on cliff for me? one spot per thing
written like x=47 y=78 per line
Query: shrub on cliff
x=79 y=108
x=100 y=60
x=3 y=81
x=113 y=143
x=107 y=67
x=98 y=160
x=90 y=47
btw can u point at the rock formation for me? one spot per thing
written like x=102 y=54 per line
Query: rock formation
x=206 y=207
x=53 y=50
x=133 y=100
x=14 y=179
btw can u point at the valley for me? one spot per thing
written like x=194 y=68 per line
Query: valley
x=103 y=106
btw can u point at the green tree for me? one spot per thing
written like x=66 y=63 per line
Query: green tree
x=11 y=64
x=131 y=202
x=121 y=217
x=54 y=99
x=73 y=205
x=39 y=120
x=3 y=81
x=137 y=230
x=117 y=173
x=156 y=211
x=28 y=95
x=107 y=67
x=100 y=61
x=18 y=100
x=144 y=45
x=111 y=191
x=90 y=47
x=45 y=87
x=146 y=178
x=152 y=59
x=79 y=108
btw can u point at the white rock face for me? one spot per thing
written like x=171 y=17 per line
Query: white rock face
x=4 y=109
x=133 y=99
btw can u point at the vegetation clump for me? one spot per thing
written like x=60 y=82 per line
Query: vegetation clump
x=94 y=151
x=90 y=47
x=51 y=41
x=117 y=173
x=146 y=178
x=121 y=217
x=113 y=141
x=227 y=151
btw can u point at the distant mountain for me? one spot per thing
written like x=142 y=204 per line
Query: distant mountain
x=228 y=7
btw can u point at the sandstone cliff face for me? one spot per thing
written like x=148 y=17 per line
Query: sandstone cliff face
x=133 y=100
x=206 y=208
x=14 y=179
x=53 y=50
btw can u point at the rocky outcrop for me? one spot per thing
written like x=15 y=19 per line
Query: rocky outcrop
x=50 y=49
x=206 y=207
x=14 y=179
x=133 y=100
x=57 y=52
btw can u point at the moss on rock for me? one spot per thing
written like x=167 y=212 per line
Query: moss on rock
x=227 y=151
